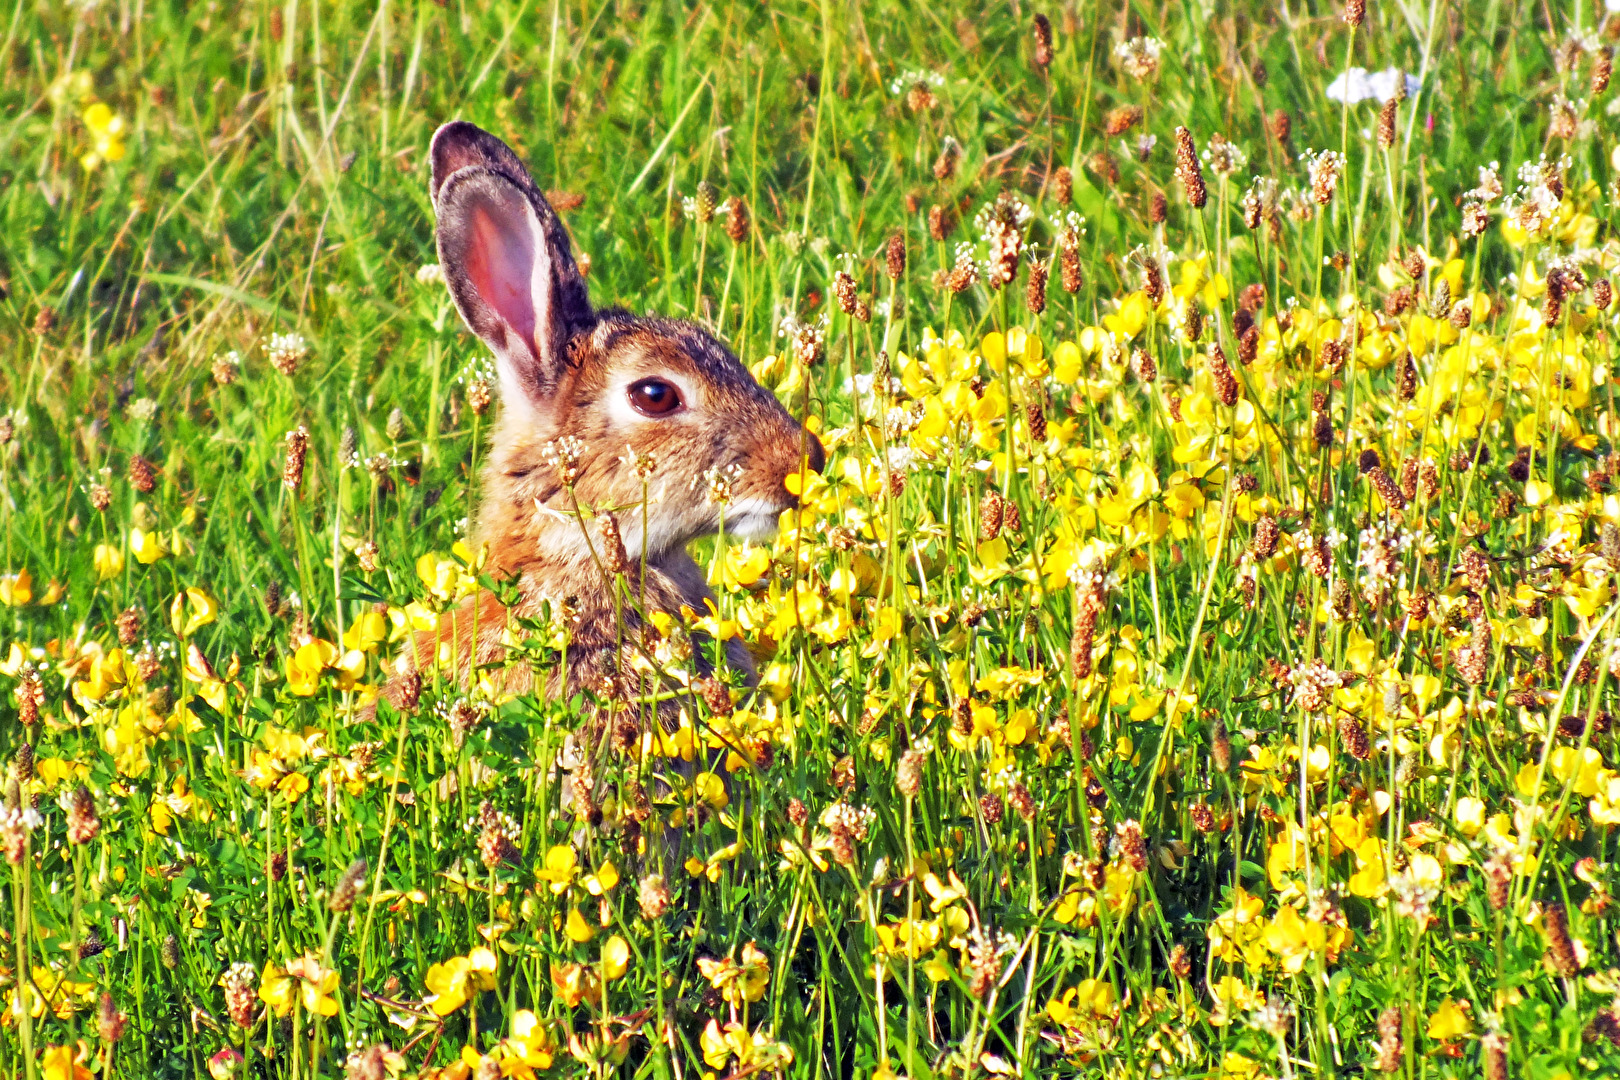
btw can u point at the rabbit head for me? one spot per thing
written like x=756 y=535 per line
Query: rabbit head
x=598 y=407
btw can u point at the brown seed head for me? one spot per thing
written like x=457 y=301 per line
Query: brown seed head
x=142 y=474
x=652 y=895
x=1390 y=1047
x=1560 y=956
x=1282 y=126
x=1023 y=801
x=1220 y=375
x=1386 y=124
x=1035 y=292
x=1493 y=1055
x=908 y=773
x=480 y=394
x=292 y=467
x=1355 y=13
x=1354 y=738
x=1387 y=488
x=1069 y=265
x=1063 y=185
x=1406 y=386
x=1325 y=169
x=1036 y=420
x=716 y=695
x=797 y=813
x=30 y=695
x=843 y=288
x=894 y=257
x=110 y=1023
x=347 y=889
x=1043 y=42
x=82 y=823
x=226 y=369
x=1121 y=120
x=737 y=220
x=1498 y=876
x=1132 y=844
x=1188 y=170
x=129 y=626
x=990 y=514
x=1153 y=281
x=1193 y=327
x=1266 y=533
x=410 y=691
x=1146 y=369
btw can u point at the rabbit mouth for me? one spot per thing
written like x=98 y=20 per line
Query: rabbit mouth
x=753 y=518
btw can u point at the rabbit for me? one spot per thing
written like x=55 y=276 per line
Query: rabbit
x=598 y=391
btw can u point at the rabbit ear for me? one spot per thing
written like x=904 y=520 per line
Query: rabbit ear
x=506 y=259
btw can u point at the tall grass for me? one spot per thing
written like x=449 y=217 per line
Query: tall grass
x=1165 y=678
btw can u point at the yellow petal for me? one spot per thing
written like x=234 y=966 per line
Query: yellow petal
x=615 y=957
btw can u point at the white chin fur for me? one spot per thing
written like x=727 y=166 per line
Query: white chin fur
x=752 y=519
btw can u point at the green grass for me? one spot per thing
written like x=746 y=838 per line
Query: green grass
x=273 y=181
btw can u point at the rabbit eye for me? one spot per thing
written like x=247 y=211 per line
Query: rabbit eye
x=654 y=397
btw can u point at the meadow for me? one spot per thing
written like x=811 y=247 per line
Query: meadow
x=1195 y=659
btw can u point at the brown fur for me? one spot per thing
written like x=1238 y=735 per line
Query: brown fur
x=564 y=372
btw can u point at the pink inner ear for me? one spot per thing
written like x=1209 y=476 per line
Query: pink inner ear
x=500 y=262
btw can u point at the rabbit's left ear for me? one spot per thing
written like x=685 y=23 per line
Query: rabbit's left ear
x=506 y=259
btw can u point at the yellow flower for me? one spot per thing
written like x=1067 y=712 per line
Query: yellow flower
x=1293 y=940
x=755 y=1053
x=276 y=989
x=615 y=957
x=106 y=136
x=1089 y=1000
x=147 y=547
x=1470 y=816
x=444 y=577
x=304 y=667
x=575 y=983
x=530 y=1047
x=366 y=632
x=16 y=590
x=458 y=978
x=108 y=561
x=738 y=981
x=744 y=565
x=191 y=611
x=578 y=930
x=315 y=984
x=66 y=1062
x=1368 y=880
x=1450 y=1021
x=562 y=865
x=603 y=881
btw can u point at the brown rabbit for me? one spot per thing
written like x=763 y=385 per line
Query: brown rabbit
x=593 y=392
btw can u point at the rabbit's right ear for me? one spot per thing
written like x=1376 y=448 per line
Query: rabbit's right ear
x=506 y=259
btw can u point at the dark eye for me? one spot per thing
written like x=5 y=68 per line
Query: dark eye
x=654 y=397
